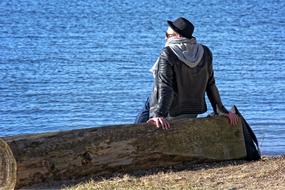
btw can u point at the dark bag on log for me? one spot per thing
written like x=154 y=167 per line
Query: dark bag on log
x=251 y=143
x=250 y=140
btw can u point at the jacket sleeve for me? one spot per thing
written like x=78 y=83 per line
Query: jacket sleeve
x=164 y=79
x=212 y=90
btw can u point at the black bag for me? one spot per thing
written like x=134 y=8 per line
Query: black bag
x=250 y=140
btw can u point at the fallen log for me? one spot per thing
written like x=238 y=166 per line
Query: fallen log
x=7 y=167
x=122 y=148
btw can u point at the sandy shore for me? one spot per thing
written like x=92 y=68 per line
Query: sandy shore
x=268 y=173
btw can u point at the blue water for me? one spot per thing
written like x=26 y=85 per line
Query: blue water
x=76 y=64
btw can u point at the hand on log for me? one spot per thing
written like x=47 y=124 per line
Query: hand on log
x=159 y=122
x=232 y=115
x=233 y=118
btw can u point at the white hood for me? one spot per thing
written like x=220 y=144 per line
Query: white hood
x=187 y=50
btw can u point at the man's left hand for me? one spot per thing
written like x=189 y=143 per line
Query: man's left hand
x=159 y=122
x=233 y=118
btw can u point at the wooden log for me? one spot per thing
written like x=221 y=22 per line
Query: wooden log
x=123 y=148
x=7 y=167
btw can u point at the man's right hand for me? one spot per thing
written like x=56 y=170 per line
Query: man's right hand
x=159 y=122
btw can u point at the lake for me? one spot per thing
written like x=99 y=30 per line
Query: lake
x=78 y=64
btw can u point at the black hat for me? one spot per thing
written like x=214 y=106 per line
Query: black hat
x=182 y=26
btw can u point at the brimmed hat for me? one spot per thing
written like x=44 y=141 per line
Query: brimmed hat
x=182 y=26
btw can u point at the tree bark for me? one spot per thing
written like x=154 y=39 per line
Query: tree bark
x=123 y=148
x=7 y=167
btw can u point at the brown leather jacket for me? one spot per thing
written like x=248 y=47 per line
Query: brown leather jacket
x=179 y=89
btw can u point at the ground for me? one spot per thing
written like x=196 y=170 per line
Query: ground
x=268 y=173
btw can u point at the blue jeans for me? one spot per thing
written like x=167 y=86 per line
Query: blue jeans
x=143 y=115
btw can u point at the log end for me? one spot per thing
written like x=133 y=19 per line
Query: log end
x=7 y=167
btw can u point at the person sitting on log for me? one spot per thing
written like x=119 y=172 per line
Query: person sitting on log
x=183 y=73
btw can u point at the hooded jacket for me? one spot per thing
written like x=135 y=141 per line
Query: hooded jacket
x=183 y=75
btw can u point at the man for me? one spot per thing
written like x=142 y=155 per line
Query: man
x=183 y=74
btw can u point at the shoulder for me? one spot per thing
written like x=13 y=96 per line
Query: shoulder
x=207 y=50
x=207 y=53
x=167 y=54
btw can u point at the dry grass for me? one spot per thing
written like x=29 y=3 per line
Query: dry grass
x=159 y=181
x=268 y=173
